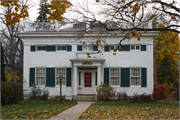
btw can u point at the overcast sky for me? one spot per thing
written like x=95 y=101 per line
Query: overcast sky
x=33 y=12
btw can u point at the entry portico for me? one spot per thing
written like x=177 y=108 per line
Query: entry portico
x=86 y=75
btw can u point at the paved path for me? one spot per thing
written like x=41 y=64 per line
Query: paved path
x=72 y=113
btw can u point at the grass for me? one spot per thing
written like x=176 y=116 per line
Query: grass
x=34 y=110
x=131 y=111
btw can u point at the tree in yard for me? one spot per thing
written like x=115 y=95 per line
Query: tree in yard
x=167 y=58
x=43 y=11
x=11 y=18
x=57 y=9
x=129 y=17
x=3 y=77
x=14 y=11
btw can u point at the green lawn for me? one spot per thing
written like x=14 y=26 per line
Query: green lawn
x=34 y=110
x=131 y=111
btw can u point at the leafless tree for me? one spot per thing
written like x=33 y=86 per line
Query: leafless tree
x=12 y=43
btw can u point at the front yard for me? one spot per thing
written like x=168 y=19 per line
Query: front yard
x=34 y=110
x=131 y=111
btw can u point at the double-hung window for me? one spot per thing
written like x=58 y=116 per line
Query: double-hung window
x=114 y=76
x=40 y=76
x=63 y=72
x=135 y=76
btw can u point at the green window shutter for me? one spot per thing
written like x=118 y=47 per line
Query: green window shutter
x=125 y=77
x=79 y=47
x=33 y=48
x=69 y=48
x=95 y=48
x=31 y=76
x=68 y=77
x=143 y=77
x=50 y=47
x=143 y=47
x=106 y=75
x=125 y=47
x=50 y=77
x=106 y=48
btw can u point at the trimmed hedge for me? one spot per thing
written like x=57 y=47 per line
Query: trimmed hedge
x=11 y=92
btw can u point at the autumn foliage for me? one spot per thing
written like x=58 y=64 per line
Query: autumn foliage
x=15 y=11
x=57 y=9
x=160 y=91
x=167 y=56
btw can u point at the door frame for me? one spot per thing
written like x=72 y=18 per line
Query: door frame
x=83 y=89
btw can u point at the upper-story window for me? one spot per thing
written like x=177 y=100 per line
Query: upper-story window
x=135 y=47
x=61 y=48
x=87 y=47
x=41 y=48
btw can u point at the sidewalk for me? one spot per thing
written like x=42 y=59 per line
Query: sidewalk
x=72 y=113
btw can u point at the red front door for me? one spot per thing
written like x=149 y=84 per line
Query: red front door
x=87 y=79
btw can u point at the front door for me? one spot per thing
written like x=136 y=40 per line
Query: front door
x=87 y=79
x=86 y=82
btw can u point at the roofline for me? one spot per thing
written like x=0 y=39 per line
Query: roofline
x=73 y=33
x=87 y=60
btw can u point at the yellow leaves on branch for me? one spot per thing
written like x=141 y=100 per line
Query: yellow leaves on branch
x=128 y=36
x=98 y=42
x=132 y=33
x=57 y=9
x=136 y=8
x=167 y=45
x=16 y=11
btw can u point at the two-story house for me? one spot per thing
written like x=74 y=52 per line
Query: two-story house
x=51 y=52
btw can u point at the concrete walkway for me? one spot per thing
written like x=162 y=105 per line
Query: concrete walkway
x=72 y=113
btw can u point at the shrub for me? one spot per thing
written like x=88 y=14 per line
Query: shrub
x=57 y=98
x=37 y=93
x=124 y=95
x=11 y=92
x=136 y=98
x=105 y=92
x=17 y=94
x=119 y=96
x=145 y=97
x=160 y=92
x=141 y=98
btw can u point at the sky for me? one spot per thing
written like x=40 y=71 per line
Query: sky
x=33 y=12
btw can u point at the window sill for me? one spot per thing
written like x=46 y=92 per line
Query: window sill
x=135 y=86
x=115 y=85
x=61 y=51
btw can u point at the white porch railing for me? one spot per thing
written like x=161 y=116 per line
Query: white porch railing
x=55 y=26
x=83 y=55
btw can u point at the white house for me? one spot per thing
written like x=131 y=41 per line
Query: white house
x=51 y=52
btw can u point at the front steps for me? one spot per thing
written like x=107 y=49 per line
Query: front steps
x=86 y=98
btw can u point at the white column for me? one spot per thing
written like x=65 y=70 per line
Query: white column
x=75 y=81
x=99 y=75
